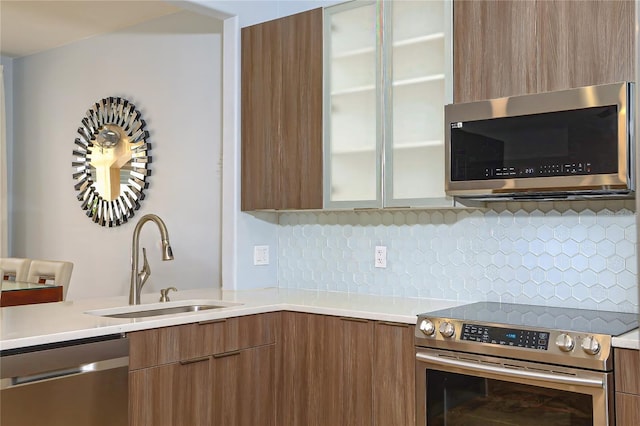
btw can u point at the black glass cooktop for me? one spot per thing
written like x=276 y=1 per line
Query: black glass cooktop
x=555 y=318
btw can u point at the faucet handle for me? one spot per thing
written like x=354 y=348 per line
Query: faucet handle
x=164 y=293
x=146 y=269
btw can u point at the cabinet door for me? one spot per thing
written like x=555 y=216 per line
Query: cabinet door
x=584 y=43
x=282 y=113
x=324 y=371
x=394 y=375
x=176 y=394
x=494 y=49
x=243 y=392
x=418 y=60
x=306 y=387
x=352 y=128
x=354 y=370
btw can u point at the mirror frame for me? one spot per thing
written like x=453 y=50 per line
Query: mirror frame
x=122 y=113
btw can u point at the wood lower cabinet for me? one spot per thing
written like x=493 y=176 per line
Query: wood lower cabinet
x=627 y=379
x=394 y=374
x=284 y=369
x=213 y=373
x=243 y=392
x=344 y=371
x=173 y=394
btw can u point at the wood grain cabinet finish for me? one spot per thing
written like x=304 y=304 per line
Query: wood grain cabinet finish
x=204 y=373
x=394 y=374
x=583 y=43
x=344 y=371
x=627 y=383
x=281 y=111
x=494 y=49
x=506 y=48
x=243 y=387
x=174 y=394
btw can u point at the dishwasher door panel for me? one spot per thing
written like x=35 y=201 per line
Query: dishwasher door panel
x=81 y=382
x=98 y=398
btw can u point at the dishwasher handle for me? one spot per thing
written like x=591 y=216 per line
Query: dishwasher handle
x=53 y=359
x=10 y=382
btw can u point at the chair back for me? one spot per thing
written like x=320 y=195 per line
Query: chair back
x=14 y=268
x=51 y=270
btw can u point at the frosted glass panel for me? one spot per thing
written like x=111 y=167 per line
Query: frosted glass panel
x=418 y=78
x=352 y=98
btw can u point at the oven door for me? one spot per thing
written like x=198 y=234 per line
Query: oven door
x=455 y=388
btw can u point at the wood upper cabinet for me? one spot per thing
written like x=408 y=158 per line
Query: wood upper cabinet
x=581 y=43
x=282 y=113
x=494 y=49
x=515 y=47
x=627 y=382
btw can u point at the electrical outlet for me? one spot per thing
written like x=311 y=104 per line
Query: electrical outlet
x=260 y=255
x=380 y=259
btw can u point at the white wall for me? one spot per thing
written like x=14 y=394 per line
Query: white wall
x=7 y=63
x=171 y=69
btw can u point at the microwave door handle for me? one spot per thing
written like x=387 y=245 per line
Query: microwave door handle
x=553 y=378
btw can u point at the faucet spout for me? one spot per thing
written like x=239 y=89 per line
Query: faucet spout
x=139 y=278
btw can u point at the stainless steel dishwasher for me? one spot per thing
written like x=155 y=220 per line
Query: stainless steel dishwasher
x=79 y=382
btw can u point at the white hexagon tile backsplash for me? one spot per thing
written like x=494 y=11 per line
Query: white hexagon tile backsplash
x=574 y=254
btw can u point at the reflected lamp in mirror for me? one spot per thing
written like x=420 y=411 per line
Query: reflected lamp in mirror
x=111 y=161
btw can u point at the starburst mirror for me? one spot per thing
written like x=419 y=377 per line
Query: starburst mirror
x=111 y=161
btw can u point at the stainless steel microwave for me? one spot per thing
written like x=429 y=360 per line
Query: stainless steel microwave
x=569 y=144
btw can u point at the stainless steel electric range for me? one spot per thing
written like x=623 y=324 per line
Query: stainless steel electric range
x=498 y=363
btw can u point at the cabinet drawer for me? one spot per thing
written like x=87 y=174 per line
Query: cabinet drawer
x=184 y=342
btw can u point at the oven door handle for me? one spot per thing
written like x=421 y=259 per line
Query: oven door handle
x=554 y=378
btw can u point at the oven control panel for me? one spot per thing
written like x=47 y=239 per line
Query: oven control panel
x=505 y=336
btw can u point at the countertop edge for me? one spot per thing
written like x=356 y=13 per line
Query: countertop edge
x=77 y=324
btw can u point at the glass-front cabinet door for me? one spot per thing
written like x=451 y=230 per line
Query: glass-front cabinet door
x=352 y=133
x=387 y=79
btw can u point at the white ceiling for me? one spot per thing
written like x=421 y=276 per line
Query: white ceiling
x=28 y=27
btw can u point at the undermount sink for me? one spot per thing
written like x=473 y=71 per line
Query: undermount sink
x=156 y=309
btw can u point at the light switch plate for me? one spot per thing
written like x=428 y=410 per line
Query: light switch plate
x=260 y=255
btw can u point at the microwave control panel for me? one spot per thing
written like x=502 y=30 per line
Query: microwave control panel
x=545 y=170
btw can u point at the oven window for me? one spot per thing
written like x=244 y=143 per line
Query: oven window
x=456 y=400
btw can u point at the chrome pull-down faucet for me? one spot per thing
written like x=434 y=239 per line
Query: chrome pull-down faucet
x=138 y=279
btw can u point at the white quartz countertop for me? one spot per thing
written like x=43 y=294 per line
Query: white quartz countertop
x=30 y=325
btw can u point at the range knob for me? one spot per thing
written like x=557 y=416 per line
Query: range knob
x=427 y=327
x=447 y=329
x=565 y=342
x=590 y=345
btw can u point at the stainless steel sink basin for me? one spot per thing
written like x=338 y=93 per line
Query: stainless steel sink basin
x=156 y=309
x=164 y=311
